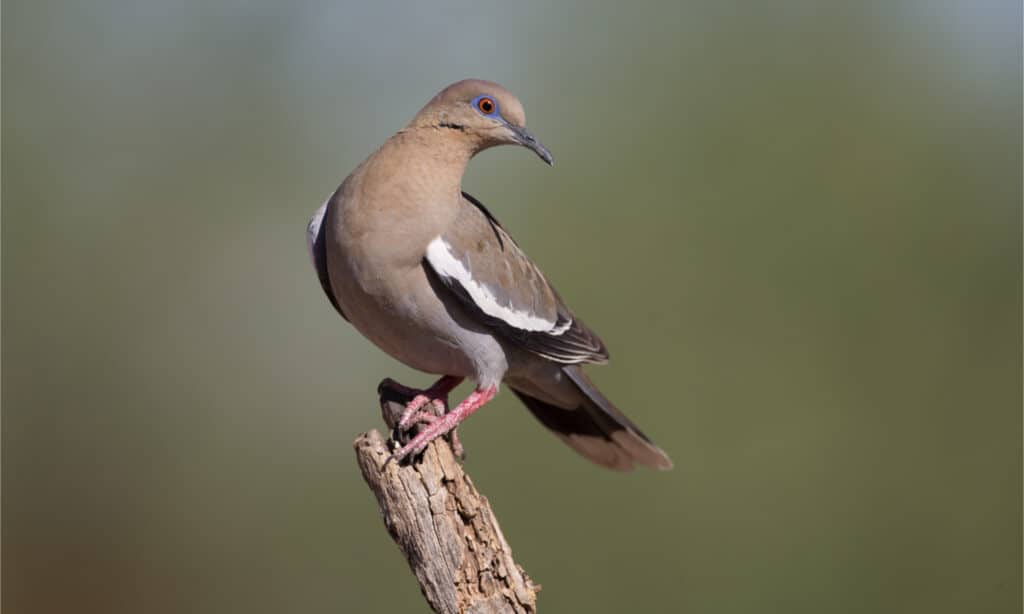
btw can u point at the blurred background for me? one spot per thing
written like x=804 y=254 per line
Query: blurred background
x=796 y=224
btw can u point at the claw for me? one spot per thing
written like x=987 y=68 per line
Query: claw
x=412 y=412
x=437 y=421
x=436 y=395
x=444 y=425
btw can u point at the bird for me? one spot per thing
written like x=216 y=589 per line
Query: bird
x=427 y=273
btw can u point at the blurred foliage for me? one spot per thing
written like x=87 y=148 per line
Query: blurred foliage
x=796 y=224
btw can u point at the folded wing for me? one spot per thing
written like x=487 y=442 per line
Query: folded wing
x=481 y=264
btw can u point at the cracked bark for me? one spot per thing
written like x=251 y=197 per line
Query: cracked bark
x=444 y=527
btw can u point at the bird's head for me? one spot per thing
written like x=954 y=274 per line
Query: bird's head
x=480 y=114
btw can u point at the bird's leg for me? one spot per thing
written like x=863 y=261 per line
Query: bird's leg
x=424 y=417
x=446 y=423
x=437 y=395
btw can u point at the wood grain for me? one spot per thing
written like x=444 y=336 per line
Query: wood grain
x=443 y=526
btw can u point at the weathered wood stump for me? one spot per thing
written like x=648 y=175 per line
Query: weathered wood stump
x=444 y=527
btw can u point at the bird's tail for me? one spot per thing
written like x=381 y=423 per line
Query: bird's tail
x=595 y=427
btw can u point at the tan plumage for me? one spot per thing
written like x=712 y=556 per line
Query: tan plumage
x=427 y=274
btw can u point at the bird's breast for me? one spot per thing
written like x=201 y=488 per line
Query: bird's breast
x=374 y=263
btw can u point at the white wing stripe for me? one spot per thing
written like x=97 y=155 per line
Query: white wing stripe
x=440 y=256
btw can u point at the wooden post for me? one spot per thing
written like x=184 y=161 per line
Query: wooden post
x=444 y=527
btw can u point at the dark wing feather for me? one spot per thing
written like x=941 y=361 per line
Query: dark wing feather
x=483 y=266
x=318 y=252
x=595 y=427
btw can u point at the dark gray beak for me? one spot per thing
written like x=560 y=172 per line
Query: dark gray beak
x=527 y=140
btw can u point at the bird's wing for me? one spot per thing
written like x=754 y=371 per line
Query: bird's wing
x=591 y=424
x=318 y=251
x=480 y=263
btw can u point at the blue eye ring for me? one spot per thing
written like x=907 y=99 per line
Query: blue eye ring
x=486 y=105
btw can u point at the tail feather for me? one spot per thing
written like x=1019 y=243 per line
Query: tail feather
x=596 y=428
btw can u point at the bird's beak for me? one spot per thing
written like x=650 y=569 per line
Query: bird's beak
x=527 y=140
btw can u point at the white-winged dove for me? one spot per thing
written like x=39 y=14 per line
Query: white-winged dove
x=425 y=272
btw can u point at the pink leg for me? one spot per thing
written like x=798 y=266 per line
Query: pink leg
x=436 y=394
x=446 y=423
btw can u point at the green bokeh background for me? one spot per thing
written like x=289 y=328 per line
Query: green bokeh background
x=796 y=224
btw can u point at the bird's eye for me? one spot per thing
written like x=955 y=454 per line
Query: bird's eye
x=486 y=105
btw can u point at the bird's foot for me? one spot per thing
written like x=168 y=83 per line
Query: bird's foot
x=425 y=417
x=414 y=413
x=436 y=396
x=423 y=407
x=437 y=426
